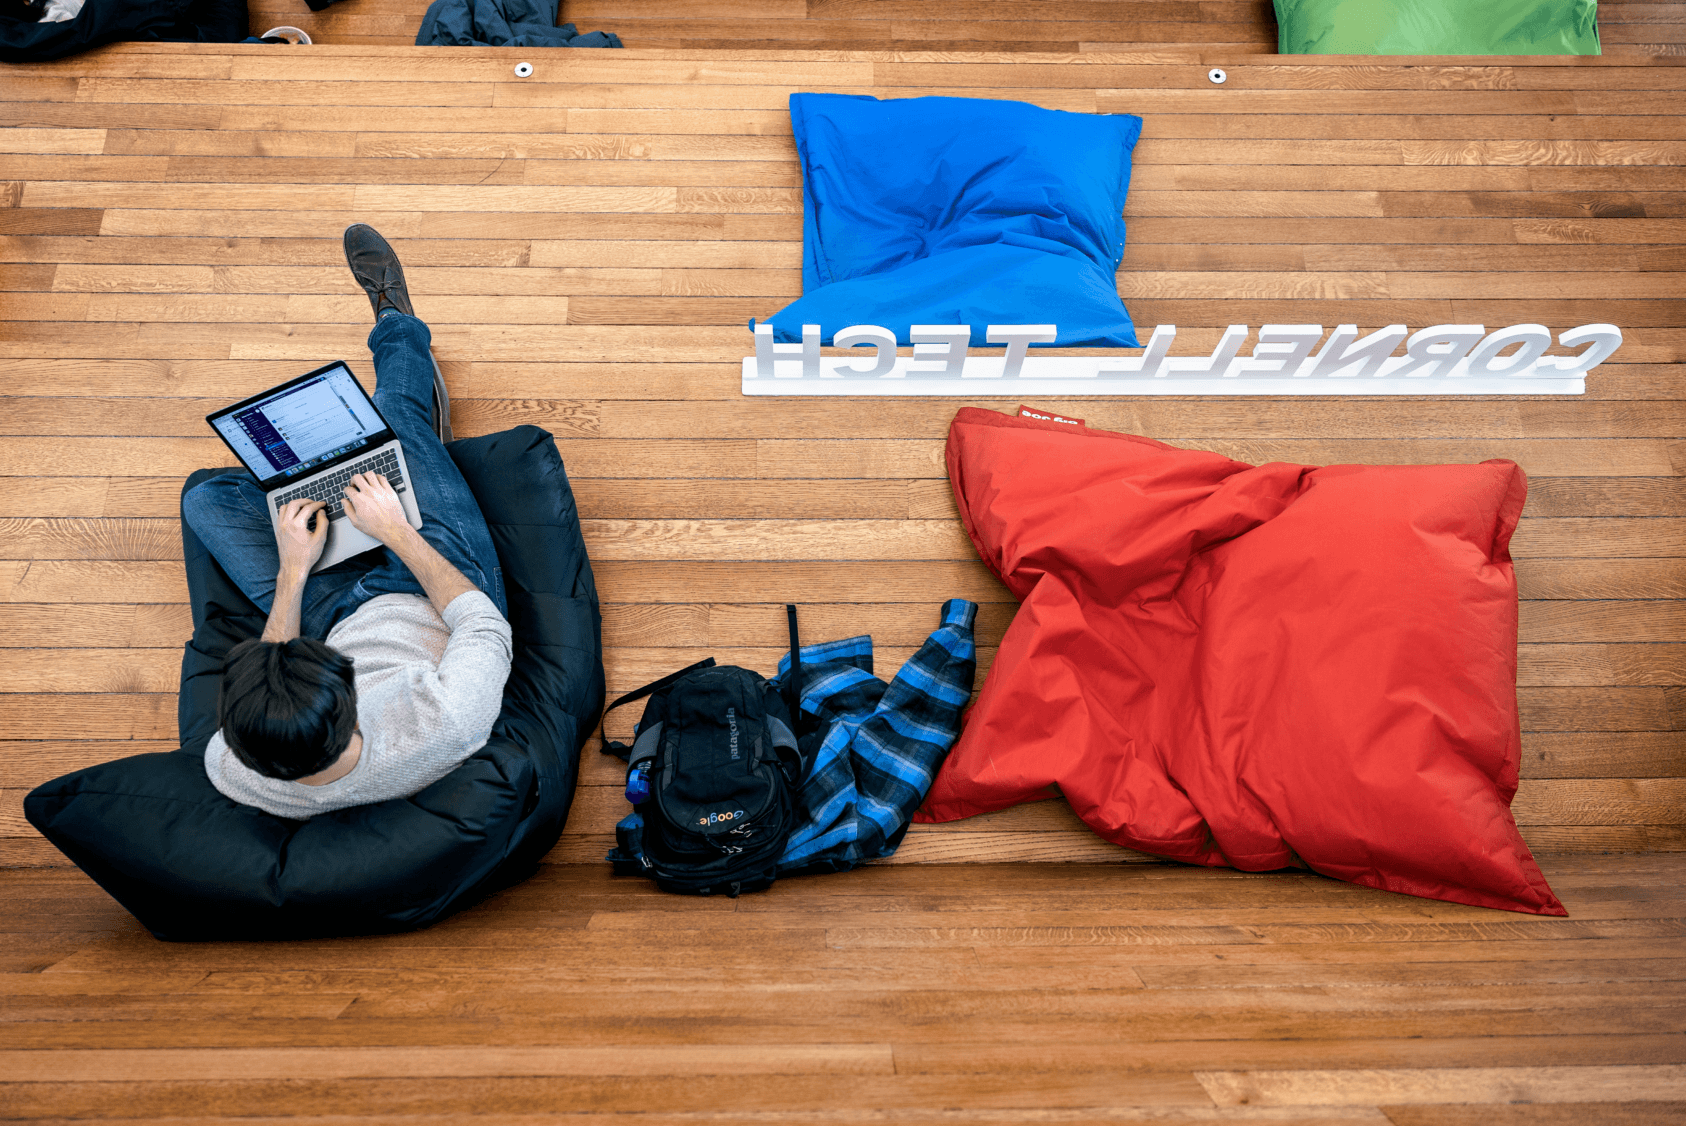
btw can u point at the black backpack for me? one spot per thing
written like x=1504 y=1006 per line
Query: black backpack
x=712 y=773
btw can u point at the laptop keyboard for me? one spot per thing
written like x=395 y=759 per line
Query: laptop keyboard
x=331 y=489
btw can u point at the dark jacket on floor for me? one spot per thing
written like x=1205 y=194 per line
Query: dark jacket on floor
x=503 y=23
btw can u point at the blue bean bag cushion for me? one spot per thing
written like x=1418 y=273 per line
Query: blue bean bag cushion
x=191 y=864
x=952 y=211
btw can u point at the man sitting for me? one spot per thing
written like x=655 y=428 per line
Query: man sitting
x=376 y=677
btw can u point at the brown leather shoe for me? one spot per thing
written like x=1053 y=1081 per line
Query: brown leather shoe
x=376 y=269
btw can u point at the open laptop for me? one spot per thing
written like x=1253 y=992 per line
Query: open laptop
x=307 y=438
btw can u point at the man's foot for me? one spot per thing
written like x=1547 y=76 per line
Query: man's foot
x=376 y=269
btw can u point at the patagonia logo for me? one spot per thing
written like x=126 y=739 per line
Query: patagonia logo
x=719 y=818
x=732 y=723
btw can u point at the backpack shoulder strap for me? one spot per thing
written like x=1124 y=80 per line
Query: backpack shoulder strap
x=621 y=750
x=793 y=681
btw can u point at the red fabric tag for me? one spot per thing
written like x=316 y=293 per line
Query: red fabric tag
x=1047 y=416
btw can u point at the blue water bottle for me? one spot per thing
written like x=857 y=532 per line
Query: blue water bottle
x=638 y=784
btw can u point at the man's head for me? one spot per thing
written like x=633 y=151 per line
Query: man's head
x=287 y=710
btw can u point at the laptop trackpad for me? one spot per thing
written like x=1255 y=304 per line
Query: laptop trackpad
x=344 y=541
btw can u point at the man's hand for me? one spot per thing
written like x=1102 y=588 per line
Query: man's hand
x=299 y=544
x=374 y=509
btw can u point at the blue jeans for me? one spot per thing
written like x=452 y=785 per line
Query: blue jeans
x=231 y=515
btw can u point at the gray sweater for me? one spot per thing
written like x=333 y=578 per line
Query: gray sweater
x=428 y=691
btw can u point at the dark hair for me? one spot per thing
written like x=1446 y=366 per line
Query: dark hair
x=287 y=709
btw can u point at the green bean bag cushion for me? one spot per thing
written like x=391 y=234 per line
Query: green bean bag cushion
x=1437 y=27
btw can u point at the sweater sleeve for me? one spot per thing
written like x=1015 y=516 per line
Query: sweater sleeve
x=471 y=675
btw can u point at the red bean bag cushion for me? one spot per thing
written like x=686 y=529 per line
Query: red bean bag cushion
x=1254 y=666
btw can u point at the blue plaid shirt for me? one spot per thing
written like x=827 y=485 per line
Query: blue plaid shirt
x=880 y=744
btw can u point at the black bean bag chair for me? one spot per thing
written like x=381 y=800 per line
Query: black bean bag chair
x=191 y=864
x=23 y=40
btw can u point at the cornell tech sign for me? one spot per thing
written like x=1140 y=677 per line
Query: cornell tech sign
x=1284 y=360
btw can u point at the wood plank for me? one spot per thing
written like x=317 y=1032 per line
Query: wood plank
x=1558 y=1114
x=102 y=625
x=534 y=1096
x=704 y=381
x=1641 y=1083
x=295 y=280
x=1328 y=73
x=146 y=716
x=870 y=458
x=332 y=133
x=1175 y=420
x=52 y=140
x=1588 y=229
x=114 y=249
x=381 y=1063
x=413 y=198
x=1559 y=802
x=1601 y=620
x=1406 y=286
x=1561 y=579
x=25 y=765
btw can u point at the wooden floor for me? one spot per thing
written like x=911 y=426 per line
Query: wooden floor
x=588 y=244
x=966 y=994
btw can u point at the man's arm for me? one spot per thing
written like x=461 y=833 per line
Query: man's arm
x=300 y=546
x=373 y=508
x=464 y=694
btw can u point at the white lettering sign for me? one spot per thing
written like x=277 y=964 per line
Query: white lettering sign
x=1284 y=360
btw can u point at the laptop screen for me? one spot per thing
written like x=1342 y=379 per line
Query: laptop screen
x=296 y=428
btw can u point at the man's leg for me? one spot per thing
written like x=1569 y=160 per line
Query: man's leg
x=230 y=514
x=451 y=519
